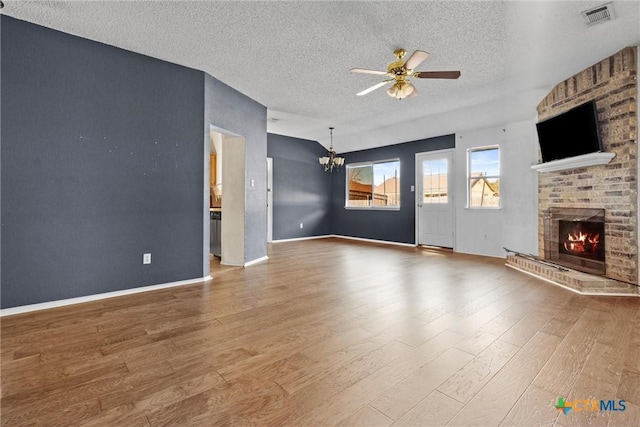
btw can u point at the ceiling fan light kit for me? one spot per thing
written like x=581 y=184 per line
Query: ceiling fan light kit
x=401 y=89
x=400 y=71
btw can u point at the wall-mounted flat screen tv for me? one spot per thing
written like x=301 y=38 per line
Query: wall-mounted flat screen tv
x=570 y=134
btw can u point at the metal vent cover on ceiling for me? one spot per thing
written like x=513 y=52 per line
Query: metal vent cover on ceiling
x=598 y=14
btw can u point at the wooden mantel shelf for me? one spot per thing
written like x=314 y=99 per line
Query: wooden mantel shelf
x=591 y=159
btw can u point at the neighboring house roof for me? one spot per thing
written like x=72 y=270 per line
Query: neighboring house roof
x=360 y=191
x=389 y=186
x=480 y=183
x=434 y=183
x=360 y=187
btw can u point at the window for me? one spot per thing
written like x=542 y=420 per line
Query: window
x=434 y=181
x=373 y=185
x=483 y=177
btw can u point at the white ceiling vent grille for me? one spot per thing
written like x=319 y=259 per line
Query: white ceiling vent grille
x=598 y=14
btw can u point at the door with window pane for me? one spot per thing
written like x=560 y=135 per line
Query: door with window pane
x=434 y=219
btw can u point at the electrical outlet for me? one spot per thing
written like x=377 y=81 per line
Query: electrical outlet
x=146 y=258
x=301 y=225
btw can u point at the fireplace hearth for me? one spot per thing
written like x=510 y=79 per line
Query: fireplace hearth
x=575 y=238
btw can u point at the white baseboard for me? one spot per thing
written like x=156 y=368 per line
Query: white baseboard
x=339 y=236
x=302 y=238
x=256 y=261
x=386 y=242
x=96 y=297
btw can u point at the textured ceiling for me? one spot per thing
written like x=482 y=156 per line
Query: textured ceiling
x=294 y=57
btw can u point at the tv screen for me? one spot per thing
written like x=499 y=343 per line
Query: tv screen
x=570 y=134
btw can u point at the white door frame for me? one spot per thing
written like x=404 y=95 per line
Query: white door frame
x=269 y=199
x=233 y=183
x=233 y=201
x=417 y=197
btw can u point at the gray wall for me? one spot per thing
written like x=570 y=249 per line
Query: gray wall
x=0 y=162
x=303 y=192
x=101 y=161
x=301 y=188
x=393 y=226
x=230 y=110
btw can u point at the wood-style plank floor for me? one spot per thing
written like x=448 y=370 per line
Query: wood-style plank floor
x=329 y=332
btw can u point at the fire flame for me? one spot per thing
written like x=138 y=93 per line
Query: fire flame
x=580 y=242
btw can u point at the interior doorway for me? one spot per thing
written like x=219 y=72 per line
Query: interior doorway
x=434 y=199
x=223 y=239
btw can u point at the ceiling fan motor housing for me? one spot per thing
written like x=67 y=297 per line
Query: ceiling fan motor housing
x=397 y=68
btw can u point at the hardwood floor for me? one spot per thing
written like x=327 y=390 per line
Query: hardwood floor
x=329 y=332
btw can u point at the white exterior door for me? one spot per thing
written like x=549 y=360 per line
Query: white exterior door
x=434 y=212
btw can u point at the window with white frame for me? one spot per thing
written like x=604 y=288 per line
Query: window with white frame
x=483 y=177
x=435 y=186
x=374 y=185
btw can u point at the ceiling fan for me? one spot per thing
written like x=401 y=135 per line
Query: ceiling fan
x=400 y=71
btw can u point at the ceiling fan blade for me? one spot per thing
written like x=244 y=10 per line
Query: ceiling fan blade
x=365 y=71
x=374 y=87
x=416 y=59
x=436 y=74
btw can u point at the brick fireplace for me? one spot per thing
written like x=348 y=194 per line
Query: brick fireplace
x=611 y=189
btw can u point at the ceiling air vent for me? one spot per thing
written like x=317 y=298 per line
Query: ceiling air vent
x=598 y=14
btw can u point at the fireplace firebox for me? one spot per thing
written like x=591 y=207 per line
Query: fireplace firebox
x=574 y=237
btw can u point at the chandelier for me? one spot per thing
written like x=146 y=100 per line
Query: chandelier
x=331 y=161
